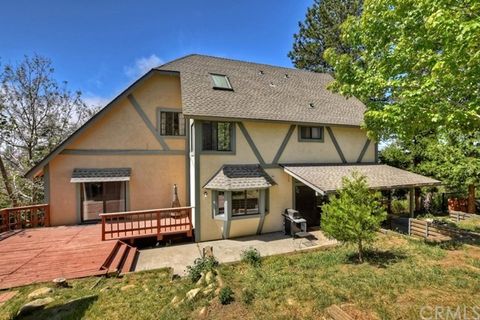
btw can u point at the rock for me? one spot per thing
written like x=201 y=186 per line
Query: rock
x=34 y=305
x=192 y=294
x=206 y=292
x=41 y=292
x=175 y=300
x=203 y=312
x=220 y=281
x=104 y=289
x=209 y=277
x=127 y=287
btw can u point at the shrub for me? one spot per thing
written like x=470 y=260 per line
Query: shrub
x=226 y=295
x=201 y=265
x=355 y=215
x=252 y=257
x=247 y=296
x=400 y=206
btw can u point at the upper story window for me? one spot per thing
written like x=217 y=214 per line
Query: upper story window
x=217 y=136
x=310 y=133
x=171 y=123
x=221 y=81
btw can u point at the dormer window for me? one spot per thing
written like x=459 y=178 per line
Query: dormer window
x=221 y=82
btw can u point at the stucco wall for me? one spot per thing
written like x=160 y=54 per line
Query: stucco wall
x=268 y=138
x=122 y=128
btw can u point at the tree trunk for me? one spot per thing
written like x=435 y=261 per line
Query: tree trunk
x=471 y=199
x=360 y=251
x=6 y=181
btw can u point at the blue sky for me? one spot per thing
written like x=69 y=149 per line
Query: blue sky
x=101 y=46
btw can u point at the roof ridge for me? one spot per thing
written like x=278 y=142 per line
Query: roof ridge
x=243 y=61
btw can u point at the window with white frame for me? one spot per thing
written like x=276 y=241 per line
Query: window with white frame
x=234 y=204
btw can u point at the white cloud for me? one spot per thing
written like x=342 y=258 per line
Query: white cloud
x=94 y=101
x=142 y=65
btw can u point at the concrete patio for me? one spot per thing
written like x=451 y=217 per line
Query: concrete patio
x=179 y=257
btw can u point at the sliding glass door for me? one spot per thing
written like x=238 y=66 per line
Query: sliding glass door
x=102 y=197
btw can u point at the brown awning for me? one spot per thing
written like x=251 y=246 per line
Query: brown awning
x=328 y=178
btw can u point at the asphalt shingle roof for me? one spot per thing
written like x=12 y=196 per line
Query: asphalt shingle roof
x=240 y=177
x=261 y=92
x=100 y=174
x=328 y=178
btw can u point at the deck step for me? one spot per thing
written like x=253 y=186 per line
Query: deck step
x=129 y=260
x=121 y=259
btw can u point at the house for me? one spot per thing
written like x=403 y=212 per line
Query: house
x=240 y=141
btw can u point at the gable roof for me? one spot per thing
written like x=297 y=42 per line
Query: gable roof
x=261 y=92
x=240 y=177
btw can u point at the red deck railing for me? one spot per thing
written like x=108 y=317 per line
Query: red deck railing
x=147 y=223
x=24 y=217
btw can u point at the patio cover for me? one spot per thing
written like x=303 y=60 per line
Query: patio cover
x=327 y=179
x=100 y=174
x=240 y=177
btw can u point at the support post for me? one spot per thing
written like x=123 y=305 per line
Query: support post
x=411 y=198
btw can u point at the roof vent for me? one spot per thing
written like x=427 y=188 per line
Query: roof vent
x=260 y=72
x=311 y=105
x=272 y=85
x=287 y=76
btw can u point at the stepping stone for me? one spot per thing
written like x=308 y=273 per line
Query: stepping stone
x=192 y=294
x=41 y=292
x=34 y=305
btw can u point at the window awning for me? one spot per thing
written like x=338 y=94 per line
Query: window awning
x=100 y=174
x=327 y=179
x=240 y=177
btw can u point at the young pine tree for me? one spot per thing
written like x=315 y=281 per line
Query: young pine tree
x=353 y=215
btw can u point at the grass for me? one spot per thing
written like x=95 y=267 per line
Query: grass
x=397 y=279
x=471 y=224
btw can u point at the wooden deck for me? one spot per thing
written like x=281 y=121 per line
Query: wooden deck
x=42 y=254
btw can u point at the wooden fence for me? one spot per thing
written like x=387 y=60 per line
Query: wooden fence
x=24 y=217
x=147 y=223
x=457 y=216
x=439 y=232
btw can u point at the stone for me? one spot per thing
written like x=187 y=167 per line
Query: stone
x=40 y=292
x=127 y=287
x=34 y=305
x=220 y=281
x=192 y=294
x=60 y=282
x=206 y=292
x=104 y=289
x=209 y=277
x=203 y=312
x=175 y=300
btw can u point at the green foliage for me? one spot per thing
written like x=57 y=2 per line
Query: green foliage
x=355 y=214
x=252 y=257
x=201 y=265
x=400 y=206
x=321 y=30
x=226 y=295
x=395 y=155
x=416 y=65
x=248 y=296
x=471 y=224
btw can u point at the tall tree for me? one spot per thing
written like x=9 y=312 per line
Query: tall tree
x=416 y=65
x=321 y=30
x=37 y=113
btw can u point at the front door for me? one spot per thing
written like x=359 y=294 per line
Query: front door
x=306 y=202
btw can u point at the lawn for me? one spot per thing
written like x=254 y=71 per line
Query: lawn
x=400 y=277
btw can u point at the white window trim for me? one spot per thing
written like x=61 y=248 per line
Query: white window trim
x=227 y=215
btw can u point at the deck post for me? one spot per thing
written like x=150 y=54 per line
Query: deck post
x=411 y=198
x=47 y=216
x=103 y=228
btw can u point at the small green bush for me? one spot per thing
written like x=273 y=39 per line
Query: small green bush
x=201 y=265
x=252 y=257
x=226 y=295
x=400 y=206
x=247 y=296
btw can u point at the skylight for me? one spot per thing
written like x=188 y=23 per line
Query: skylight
x=221 y=81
